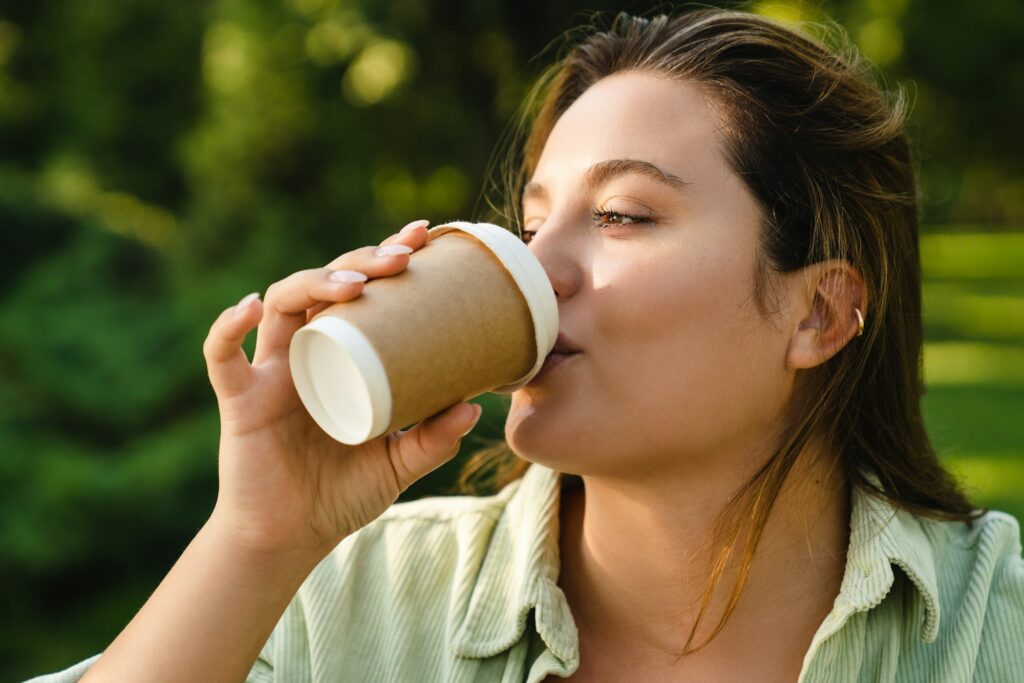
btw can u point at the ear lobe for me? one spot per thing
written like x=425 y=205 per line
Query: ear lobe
x=829 y=321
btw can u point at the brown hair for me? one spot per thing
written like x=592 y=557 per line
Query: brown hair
x=823 y=150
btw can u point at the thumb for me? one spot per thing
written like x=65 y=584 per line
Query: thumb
x=432 y=442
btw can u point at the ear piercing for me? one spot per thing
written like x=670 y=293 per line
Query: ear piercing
x=860 y=321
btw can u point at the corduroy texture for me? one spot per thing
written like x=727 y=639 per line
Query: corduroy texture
x=465 y=589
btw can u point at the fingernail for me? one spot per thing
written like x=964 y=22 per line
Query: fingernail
x=478 y=411
x=393 y=250
x=415 y=224
x=347 y=276
x=247 y=299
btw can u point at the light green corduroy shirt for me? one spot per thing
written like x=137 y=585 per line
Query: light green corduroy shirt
x=465 y=588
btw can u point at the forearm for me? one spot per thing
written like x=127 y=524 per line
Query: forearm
x=208 y=619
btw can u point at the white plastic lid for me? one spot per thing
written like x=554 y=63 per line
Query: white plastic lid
x=341 y=380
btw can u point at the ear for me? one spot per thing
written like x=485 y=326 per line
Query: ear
x=824 y=296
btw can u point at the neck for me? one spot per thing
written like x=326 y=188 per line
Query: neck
x=637 y=556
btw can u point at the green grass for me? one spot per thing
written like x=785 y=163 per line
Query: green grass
x=974 y=361
x=972 y=256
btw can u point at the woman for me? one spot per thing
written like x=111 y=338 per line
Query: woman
x=729 y=481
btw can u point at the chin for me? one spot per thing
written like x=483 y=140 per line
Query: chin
x=548 y=444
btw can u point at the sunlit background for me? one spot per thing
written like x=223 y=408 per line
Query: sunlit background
x=162 y=159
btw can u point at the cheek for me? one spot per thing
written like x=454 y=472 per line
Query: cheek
x=665 y=304
x=676 y=329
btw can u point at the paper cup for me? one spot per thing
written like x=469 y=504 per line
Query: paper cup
x=473 y=312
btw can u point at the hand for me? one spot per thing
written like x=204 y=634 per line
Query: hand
x=285 y=484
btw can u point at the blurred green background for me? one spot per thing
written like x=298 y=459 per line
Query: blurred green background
x=160 y=160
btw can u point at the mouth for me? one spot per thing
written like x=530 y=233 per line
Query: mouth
x=564 y=344
x=552 y=361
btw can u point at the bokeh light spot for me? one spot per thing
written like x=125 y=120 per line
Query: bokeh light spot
x=378 y=70
x=335 y=39
x=445 y=190
x=783 y=12
x=394 y=191
x=227 y=59
x=881 y=40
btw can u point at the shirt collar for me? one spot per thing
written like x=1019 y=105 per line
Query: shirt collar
x=520 y=569
x=882 y=535
x=519 y=573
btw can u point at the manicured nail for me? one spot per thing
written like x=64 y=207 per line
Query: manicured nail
x=477 y=411
x=347 y=276
x=415 y=224
x=393 y=250
x=247 y=299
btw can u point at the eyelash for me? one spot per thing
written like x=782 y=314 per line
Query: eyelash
x=598 y=214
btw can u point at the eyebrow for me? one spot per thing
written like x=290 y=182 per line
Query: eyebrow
x=603 y=171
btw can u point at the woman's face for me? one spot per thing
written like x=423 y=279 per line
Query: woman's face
x=677 y=369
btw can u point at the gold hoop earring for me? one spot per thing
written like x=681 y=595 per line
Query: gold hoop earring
x=860 y=321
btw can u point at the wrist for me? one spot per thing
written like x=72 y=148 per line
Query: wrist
x=252 y=551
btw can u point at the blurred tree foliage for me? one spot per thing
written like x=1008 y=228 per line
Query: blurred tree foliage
x=160 y=160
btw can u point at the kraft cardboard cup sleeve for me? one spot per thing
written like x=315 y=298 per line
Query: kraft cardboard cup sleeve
x=473 y=312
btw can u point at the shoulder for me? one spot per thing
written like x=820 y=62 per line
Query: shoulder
x=395 y=587
x=987 y=549
x=996 y=546
x=411 y=524
x=415 y=543
x=984 y=554
x=445 y=509
x=993 y=531
x=980 y=572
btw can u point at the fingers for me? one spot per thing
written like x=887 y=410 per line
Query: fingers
x=418 y=451
x=414 y=237
x=226 y=363
x=291 y=303
x=288 y=300
x=315 y=311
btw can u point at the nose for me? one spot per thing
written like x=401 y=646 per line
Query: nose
x=559 y=257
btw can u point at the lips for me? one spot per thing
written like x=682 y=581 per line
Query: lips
x=564 y=344
x=552 y=361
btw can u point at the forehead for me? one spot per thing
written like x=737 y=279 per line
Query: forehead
x=633 y=115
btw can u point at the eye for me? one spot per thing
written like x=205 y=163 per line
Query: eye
x=603 y=218
x=632 y=218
